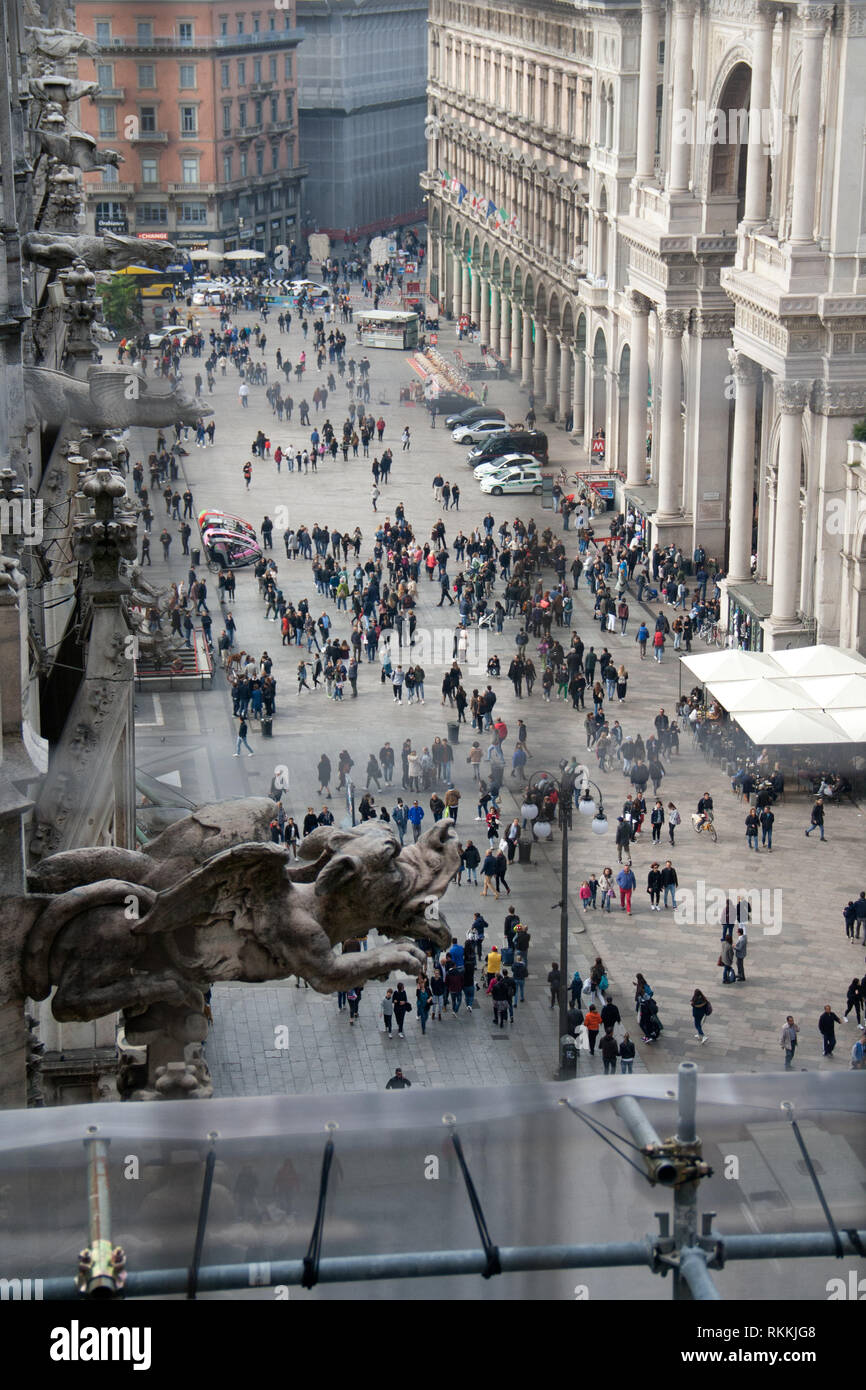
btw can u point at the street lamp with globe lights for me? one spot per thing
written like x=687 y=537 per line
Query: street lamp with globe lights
x=572 y=777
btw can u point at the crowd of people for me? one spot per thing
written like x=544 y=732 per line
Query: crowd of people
x=516 y=575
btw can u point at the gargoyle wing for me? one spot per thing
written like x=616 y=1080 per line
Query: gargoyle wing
x=117 y=395
x=232 y=880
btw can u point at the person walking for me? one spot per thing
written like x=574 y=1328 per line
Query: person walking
x=609 y=1049
x=626 y=1055
x=674 y=819
x=726 y=960
x=654 y=886
x=398 y=1082
x=243 y=730
x=766 y=819
x=554 y=979
x=827 y=1028
x=627 y=883
x=402 y=1007
x=853 y=999
x=592 y=1023
x=437 y=991
x=388 y=1011
x=422 y=1003
x=670 y=883
x=416 y=815
x=701 y=1009
x=817 y=819
x=752 y=828
x=520 y=973
x=788 y=1040
x=740 y=947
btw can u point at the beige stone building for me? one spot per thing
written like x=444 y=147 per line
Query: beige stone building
x=655 y=212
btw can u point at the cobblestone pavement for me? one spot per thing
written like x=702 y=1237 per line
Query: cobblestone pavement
x=795 y=964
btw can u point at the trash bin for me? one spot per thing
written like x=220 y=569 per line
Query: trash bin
x=567 y=1056
x=524 y=849
x=195 y=557
x=453 y=727
x=267 y=727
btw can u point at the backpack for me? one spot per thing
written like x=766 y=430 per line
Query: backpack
x=709 y=1009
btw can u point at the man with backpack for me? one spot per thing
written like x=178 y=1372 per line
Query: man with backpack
x=858 y=1051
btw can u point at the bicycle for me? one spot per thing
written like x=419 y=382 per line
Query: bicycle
x=703 y=825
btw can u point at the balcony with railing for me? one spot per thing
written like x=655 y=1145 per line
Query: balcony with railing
x=108 y=191
x=176 y=190
x=205 y=42
x=149 y=137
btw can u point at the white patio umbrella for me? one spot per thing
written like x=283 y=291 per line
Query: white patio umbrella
x=213 y=257
x=762 y=696
x=819 y=661
x=853 y=721
x=732 y=665
x=804 y=726
x=244 y=255
x=836 y=692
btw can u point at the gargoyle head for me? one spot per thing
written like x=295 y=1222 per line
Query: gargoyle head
x=370 y=881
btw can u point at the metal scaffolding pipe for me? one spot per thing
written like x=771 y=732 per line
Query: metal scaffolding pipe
x=693 y=1269
x=662 y=1170
x=420 y=1264
x=792 y=1246
x=638 y=1125
x=687 y=1103
x=432 y=1264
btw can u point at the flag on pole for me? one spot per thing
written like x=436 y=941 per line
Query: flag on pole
x=491 y=208
x=462 y=190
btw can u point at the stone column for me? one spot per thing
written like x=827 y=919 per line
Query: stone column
x=539 y=362
x=678 y=179
x=646 y=101
x=741 y=504
x=504 y=328
x=516 y=338
x=578 y=393
x=791 y=398
x=475 y=283
x=484 y=316
x=551 y=375
x=456 y=287
x=564 y=379
x=494 y=330
x=466 y=290
x=672 y=323
x=638 y=375
x=526 y=350
x=759 y=102
x=808 y=119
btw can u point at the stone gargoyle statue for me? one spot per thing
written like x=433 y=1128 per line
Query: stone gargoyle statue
x=112 y=398
x=78 y=150
x=62 y=43
x=55 y=88
x=211 y=900
x=108 y=252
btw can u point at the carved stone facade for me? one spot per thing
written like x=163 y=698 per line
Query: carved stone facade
x=709 y=159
